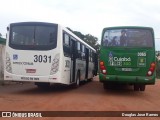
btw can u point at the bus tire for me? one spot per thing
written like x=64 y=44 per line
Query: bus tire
x=43 y=85
x=90 y=79
x=136 y=87
x=93 y=74
x=142 y=87
x=106 y=86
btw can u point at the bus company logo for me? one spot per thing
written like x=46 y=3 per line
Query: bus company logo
x=15 y=57
x=110 y=57
x=117 y=61
x=21 y=114
x=141 y=62
x=122 y=59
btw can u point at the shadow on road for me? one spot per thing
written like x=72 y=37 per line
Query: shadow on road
x=52 y=89
x=96 y=88
x=33 y=89
x=87 y=88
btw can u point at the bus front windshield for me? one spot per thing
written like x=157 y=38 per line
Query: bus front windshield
x=34 y=37
x=128 y=38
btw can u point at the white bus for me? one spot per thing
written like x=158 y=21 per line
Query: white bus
x=46 y=53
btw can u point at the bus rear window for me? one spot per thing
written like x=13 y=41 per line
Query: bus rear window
x=33 y=37
x=128 y=38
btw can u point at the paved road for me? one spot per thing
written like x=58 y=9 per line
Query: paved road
x=88 y=97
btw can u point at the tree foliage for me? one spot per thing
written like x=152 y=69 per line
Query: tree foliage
x=89 y=39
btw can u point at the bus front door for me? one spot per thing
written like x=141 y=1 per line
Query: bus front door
x=73 y=60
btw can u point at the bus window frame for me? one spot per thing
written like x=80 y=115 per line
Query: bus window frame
x=33 y=47
x=116 y=28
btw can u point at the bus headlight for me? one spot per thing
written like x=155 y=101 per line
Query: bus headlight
x=8 y=64
x=55 y=64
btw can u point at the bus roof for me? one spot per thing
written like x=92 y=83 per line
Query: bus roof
x=76 y=37
x=32 y=23
x=125 y=27
x=47 y=23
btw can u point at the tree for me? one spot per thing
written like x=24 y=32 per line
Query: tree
x=79 y=34
x=88 y=38
x=91 y=40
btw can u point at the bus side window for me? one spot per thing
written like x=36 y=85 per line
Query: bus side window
x=66 y=39
x=78 y=46
x=79 y=50
x=83 y=52
x=89 y=55
x=66 y=44
x=93 y=56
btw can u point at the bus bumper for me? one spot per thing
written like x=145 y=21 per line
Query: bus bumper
x=127 y=79
x=22 y=78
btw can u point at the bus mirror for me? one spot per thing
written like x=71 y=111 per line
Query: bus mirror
x=7 y=28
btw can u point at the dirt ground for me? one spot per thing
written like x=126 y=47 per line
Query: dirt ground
x=89 y=96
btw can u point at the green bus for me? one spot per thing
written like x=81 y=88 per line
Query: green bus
x=127 y=56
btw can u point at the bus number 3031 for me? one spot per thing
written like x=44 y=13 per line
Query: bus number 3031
x=42 y=58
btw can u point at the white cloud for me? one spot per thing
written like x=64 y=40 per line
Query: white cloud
x=86 y=16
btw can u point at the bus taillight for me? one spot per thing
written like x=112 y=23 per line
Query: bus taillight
x=101 y=63
x=55 y=64
x=8 y=63
x=151 y=69
x=103 y=68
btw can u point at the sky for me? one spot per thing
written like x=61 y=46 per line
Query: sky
x=86 y=16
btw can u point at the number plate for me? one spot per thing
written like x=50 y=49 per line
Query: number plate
x=126 y=69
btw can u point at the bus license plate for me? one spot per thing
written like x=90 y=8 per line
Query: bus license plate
x=126 y=69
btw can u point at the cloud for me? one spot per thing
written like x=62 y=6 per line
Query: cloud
x=86 y=16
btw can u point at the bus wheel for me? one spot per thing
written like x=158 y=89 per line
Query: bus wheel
x=106 y=86
x=136 y=87
x=142 y=87
x=89 y=80
x=43 y=85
